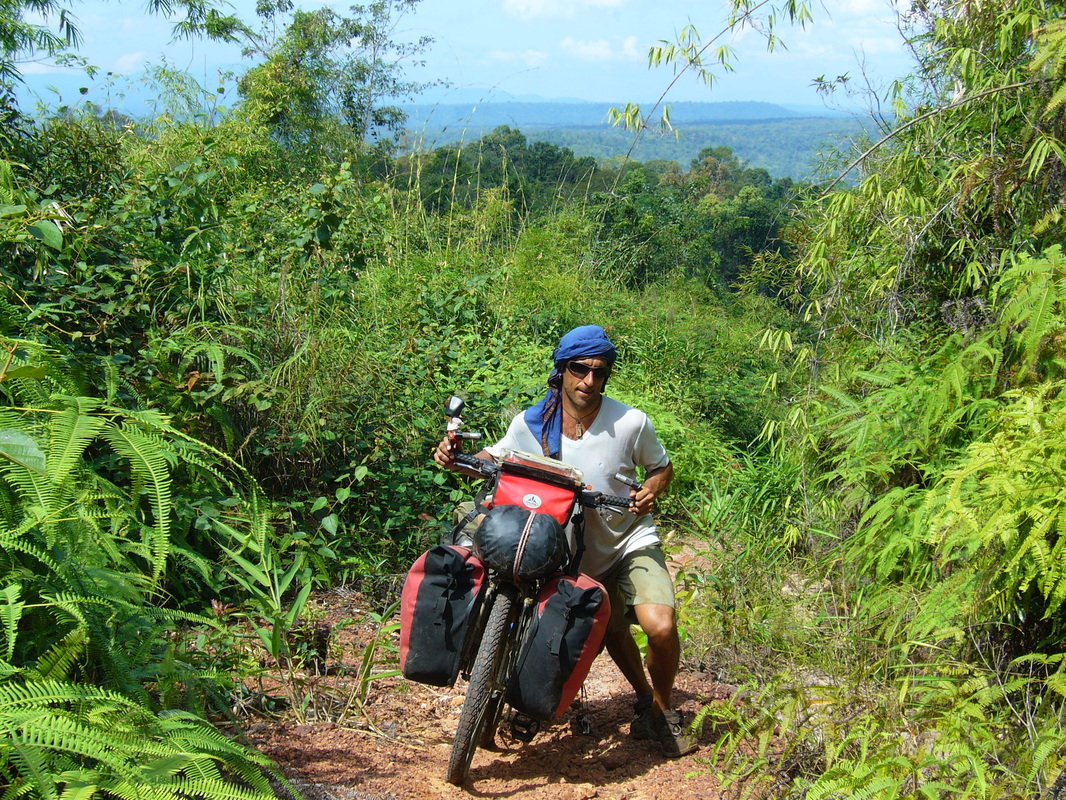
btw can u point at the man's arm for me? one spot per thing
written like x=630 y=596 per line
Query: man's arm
x=655 y=483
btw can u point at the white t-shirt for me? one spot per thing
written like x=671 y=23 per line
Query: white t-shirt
x=618 y=440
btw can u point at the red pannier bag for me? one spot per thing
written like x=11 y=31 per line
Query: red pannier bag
x=570 y=621
x=441 y=594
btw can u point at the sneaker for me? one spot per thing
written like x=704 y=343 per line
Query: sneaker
x=643 y=724
x=674 y=739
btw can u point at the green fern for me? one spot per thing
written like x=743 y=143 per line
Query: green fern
x=1014 y=481
x=150 y=473
x=64 y=653
x=1033 y=298
x=72 y=740
x=11 y=606
x=82 y=552
x=71 y=431
x=1050 y=60
x=8 y=192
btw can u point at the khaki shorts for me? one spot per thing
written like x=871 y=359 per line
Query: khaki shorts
x=640 y=577
x=464 y=537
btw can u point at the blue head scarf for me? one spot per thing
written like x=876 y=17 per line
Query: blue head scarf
x=545 y=419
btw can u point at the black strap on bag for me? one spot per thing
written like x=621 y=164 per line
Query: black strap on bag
x=578 y=526
x=470 y=516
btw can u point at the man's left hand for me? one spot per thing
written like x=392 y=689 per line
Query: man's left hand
x=655 y=483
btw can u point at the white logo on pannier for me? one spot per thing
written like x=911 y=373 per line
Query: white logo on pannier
x=531 y=501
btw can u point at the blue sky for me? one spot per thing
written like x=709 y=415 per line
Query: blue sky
x=582 y=49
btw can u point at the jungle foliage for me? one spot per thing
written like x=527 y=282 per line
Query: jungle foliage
x=225 y=339
x=922 y=441
x=225 y=344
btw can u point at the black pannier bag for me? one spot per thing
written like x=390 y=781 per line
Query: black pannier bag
x=521 y=544
x=569 y=624
x=441 y=595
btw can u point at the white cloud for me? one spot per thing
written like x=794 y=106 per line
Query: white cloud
x=37 y=68
x=862 y=8
x=598 y=50
x=531 y=58
x=530 y=9
x=129 y=63
x=601 y=50
x=632 y=49
x=809 y=51
x=879 y=45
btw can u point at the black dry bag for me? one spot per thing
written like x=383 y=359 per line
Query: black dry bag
x=521 y=544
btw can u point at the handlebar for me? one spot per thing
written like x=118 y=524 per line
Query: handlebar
x=611 y=501
x=589 y=499
x=487 y=469
x=479 y=465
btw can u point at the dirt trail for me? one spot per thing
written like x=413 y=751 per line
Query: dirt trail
x=399 y=749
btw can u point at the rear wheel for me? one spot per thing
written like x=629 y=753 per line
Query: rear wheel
x=484 y=694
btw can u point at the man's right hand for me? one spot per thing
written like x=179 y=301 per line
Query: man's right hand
x=445 y=452
x=448 y=449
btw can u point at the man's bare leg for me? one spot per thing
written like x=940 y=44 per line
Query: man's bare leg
x=664 y=650
x=623 y=649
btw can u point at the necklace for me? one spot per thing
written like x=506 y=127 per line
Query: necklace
x=578 y=427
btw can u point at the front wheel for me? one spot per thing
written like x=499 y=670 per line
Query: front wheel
x=492 y=722
x=480 y=699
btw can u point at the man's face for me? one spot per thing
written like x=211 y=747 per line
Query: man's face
x=584 y=392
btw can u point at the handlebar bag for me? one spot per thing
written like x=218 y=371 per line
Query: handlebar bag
x=521 y=544
x=535 y=493
x=441 y=595
x=567 y=633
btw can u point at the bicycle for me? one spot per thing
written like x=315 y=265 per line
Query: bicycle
x=556 y=495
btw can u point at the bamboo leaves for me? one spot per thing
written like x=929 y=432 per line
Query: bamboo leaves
x=691 y=53
x=268 y=582
x=997 y=505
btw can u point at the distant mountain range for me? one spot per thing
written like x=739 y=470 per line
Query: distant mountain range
x=581 y=114
x=794 y=142
x=786 y=140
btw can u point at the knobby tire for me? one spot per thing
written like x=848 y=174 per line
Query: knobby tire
x=479 y=703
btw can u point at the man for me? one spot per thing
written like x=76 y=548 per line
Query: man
x=577 y=424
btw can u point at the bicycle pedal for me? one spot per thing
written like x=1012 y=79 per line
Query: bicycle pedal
x=581 y=725
x=524 y=728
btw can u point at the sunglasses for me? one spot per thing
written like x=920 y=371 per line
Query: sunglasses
x=579 y=370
